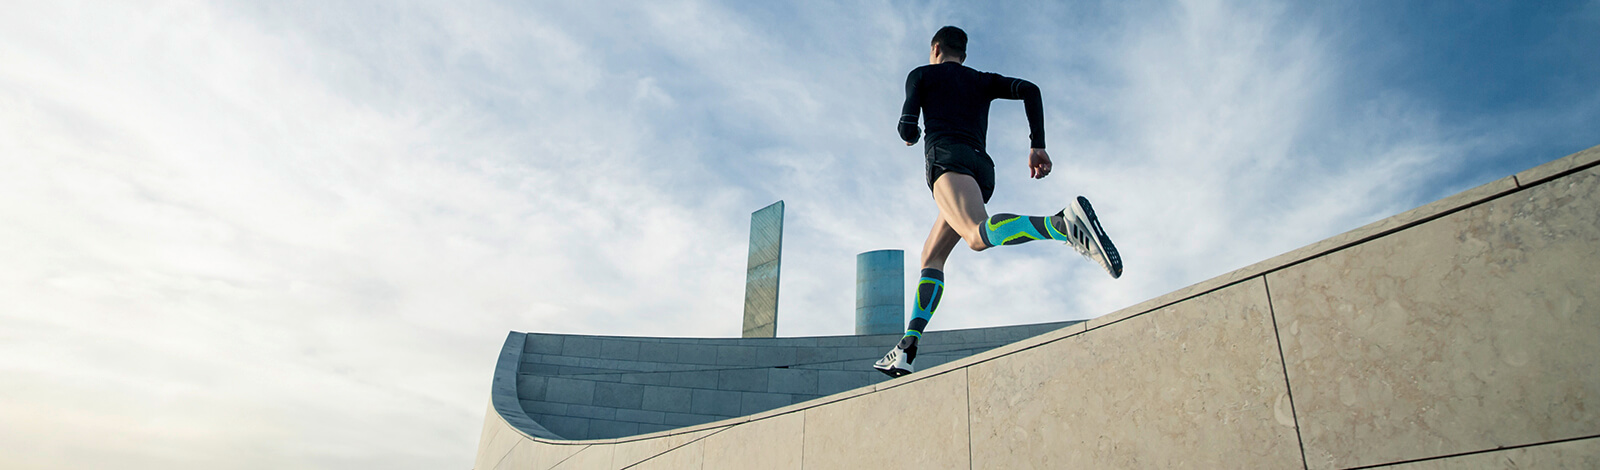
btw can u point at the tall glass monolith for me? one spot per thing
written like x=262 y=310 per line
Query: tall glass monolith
x=761 y=277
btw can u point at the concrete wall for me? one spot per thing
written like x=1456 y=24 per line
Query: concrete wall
x=595 y=387
x=1460 y=334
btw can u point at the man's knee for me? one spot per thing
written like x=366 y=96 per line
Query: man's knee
x=976 y=243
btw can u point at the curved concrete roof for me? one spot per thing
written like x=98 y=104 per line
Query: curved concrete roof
x=1460 y=333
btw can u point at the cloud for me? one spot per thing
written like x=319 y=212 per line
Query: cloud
x=294 y=234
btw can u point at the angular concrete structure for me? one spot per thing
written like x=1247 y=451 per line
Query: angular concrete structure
x=1460 y=334
x=761 y=276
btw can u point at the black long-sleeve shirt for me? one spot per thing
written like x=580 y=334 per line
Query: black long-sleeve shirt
x=956 y=99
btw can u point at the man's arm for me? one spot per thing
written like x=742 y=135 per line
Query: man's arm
x=1032 y=104
x=912 y=107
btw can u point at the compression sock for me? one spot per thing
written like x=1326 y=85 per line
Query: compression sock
x=929 y=289
x=1012 y=229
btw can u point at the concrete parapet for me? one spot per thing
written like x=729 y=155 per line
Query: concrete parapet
x=1460 y=334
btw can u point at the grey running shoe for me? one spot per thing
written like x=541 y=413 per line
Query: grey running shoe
x=1083 y=229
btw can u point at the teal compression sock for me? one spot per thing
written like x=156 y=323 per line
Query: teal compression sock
x=1012 y=229
x=929 y=290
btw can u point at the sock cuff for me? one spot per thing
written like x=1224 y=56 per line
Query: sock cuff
x=930 y=273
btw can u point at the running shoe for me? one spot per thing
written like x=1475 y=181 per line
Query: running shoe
x=1083 y=230
x=897 y=362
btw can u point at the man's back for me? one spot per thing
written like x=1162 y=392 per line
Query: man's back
x=956 y=101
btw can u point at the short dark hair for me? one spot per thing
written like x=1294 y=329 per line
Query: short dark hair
x=952 y=41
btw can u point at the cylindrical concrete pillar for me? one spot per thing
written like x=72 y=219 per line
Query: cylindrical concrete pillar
x=881 y=292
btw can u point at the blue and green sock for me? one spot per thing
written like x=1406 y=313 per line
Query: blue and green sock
x=1012 y=229
x=929 y=289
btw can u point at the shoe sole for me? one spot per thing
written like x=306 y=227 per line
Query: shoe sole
x=893 y=372
x=1108 y=251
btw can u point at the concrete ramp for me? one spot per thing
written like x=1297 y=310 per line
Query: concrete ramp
x=1464 y=333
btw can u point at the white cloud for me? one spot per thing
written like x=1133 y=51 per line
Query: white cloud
x=293 y=235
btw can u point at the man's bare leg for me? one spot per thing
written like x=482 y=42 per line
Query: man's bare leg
x=961 y=207
x=941 y=241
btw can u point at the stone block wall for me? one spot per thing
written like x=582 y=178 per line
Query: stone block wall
x=597 y=387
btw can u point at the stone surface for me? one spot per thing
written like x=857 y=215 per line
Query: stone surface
x=843 y=434
x=632 y=452
x=766 y=444
x=1543 y=172
x=1473 y=331
x=588 y=458
x=502 y=438
x=1574 y=455
x=530 y=455
x=1397 y=222
x=1195 y=385
x=691 y=455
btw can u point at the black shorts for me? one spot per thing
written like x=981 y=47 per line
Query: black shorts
x=963 y=159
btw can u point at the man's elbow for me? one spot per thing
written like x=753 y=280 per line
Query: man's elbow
x=1027 y=90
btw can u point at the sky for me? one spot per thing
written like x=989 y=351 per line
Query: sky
x=294 y=234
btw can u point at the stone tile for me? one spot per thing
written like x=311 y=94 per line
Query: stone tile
x=618 y=395
x=1195 y=385
x=530 y=387
x=771 y=443
x=735 y=355
x=697 y=354
x=693 y=379
x=496 y=441
x=1565 y=164
x=834 y=381
x=540 y=369
x=578 y=346
x=742 y=380
x=840 y=434
x=714 y=402
x=688 y=456
x=650 y=378
x=645 y=428
x=606 y=429
x=1581 y=454
x=577 y=392
x=835 y=341
x=591 y=412
x=1487 y=191
x=544 y=407
x=1473 y=331
x=792 y=381
x=668 y=399
x=687 y=419
x=811 y=355
x=775 y=356
x=658 y=352
x=590 y=457
x=542 y=344
x=619 y=349
x=564 y=426
x=752 y=402
x=641 y=416
x=530 y=454
x=632 y=452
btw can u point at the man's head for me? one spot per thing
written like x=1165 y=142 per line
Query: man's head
x=949 y=44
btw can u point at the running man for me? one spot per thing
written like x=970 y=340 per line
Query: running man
x=956 y=102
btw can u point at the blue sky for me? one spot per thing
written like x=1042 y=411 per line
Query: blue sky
x=294 y=234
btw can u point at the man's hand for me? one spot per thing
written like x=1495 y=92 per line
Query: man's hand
x=908 y=144
x=1038 y=163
